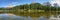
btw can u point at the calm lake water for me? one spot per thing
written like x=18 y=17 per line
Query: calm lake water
x=5 y=16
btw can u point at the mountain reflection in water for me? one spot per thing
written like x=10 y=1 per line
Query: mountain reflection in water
x=14 y=17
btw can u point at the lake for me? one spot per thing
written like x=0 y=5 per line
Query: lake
x=6 y=16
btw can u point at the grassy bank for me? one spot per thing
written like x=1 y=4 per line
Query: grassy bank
x=32 y=13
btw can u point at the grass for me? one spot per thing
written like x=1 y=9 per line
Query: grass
x=32 y=13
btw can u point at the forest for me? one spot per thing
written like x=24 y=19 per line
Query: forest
x=35 y=9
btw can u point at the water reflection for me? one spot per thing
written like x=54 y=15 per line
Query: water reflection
x=14 y=17
x=42 y=18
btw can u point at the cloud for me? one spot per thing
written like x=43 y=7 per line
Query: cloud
x=55 y=1
x=12 y=4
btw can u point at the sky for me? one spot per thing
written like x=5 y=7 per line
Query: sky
x=5 y=3
x=55 y=1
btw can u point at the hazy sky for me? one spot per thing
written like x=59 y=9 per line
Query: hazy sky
x=55 y=1
x=4 y=3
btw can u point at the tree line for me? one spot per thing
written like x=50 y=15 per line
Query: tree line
x=45 y=6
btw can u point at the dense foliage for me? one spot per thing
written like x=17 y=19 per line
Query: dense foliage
x=37 y=6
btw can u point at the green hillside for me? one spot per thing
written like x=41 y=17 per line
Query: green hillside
x=34 y=10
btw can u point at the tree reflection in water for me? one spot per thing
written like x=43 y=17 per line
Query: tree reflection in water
x=14 y=17
x=8 y=17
